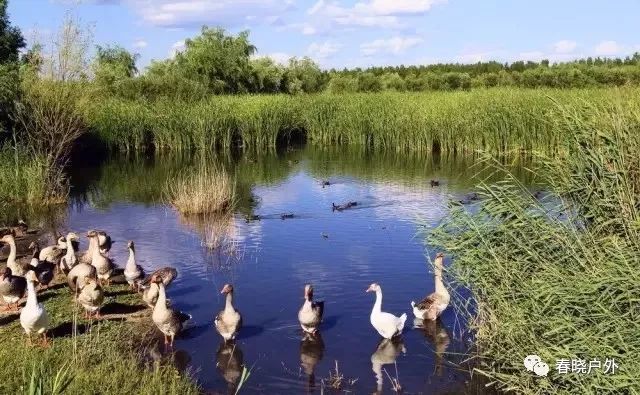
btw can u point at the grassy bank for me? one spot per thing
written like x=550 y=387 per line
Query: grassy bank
x=495 y=120
x=558 y=277
x=107 y=357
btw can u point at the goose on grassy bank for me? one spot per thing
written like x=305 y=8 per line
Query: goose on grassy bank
x=18 y=267
x=33 y=316
x=133 y=272
x=91 y=297
x=432 y=306
x=386 y=324
x=12 y=288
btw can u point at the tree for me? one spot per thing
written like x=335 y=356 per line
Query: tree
x=113 y=64
x=303 y=75
x=267 y=75
x=11 y=40
x=68 y=56
x=219 y=60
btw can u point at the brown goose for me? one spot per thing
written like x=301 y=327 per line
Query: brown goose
x=311 y=353
x=166 y=274
x=12 y=288
x=91 y=297
x=168 y=320
x=310 y=314
x=18 y=268
x=103 y=264
x=228 y=321
x=76 y=278
x=54 y=253
x=434 y=304
x=150 y=294
x=98 y=240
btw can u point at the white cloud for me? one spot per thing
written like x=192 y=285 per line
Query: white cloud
x=178 y=46
x=394 y=45
x=564 y=46
x=396 y=7
x=140 y=43
x=322 y=50
x=278 y=57
x=194 y=13
x=608 y=48
x=361 y=14
x=531 y=55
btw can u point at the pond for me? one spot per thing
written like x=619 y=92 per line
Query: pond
x=268 y=260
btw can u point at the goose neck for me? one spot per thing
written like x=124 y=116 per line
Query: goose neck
x=32 y=299
x=377 y=306
x=11 y=259
x=162 y=296
x=228 y=306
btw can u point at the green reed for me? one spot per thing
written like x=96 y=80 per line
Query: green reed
x=557 y=276
x=495 y=120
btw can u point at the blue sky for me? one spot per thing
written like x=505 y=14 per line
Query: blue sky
x=348 y=33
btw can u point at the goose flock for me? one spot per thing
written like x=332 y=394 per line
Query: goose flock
x=89 y=272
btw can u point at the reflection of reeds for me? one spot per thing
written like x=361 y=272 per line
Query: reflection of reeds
x=336 y=380
x=218 y=231
x=206 y=190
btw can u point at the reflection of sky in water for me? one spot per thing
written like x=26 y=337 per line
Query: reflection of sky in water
x=375 y=241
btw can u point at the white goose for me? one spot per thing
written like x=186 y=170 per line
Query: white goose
x=387 y=325
x=69 y=260
x=33 y=316
x=133 y=272
x=434 y=304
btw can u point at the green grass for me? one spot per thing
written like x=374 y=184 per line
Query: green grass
x=107 y=358
x=495 y=120
x=558 y=277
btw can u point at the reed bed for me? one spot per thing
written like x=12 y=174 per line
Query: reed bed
x=208 y=190
x=495 y=120
x=557 y=276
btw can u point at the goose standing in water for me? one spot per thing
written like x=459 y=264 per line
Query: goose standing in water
x=33 y=316
x=12 y=288
x=103 y=264
x=18 y=268
x=310 y=314
x=91 y=297
x=387 y=325
x=133 y=272
x=434 y=304
x=229 y=320
x=168 y=320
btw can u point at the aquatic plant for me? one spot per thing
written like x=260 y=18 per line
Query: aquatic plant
x=556 y=275
x=496 y=120
x=208 y=189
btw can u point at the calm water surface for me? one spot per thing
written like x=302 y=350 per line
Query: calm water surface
x=271 y=259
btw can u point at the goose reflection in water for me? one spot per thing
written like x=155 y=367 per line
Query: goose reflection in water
x=229 y=362
x=386 y=353
x=437 y=335
x=311 y=353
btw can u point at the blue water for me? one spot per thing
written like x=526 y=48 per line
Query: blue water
x=268 y=261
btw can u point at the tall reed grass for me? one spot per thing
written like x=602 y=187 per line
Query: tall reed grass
x=209 y=189
x=494 y=120
x=558 y=277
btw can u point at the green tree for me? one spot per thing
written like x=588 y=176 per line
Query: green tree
x=11 y=40
x=303 y=75
x=267 y=75
x=219 y=60
x=113 y=64
x=368 y=82
x=342 y=84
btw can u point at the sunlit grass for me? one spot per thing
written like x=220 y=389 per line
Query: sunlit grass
x=206 y=190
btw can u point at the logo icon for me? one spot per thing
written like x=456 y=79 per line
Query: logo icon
x=534 y=364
